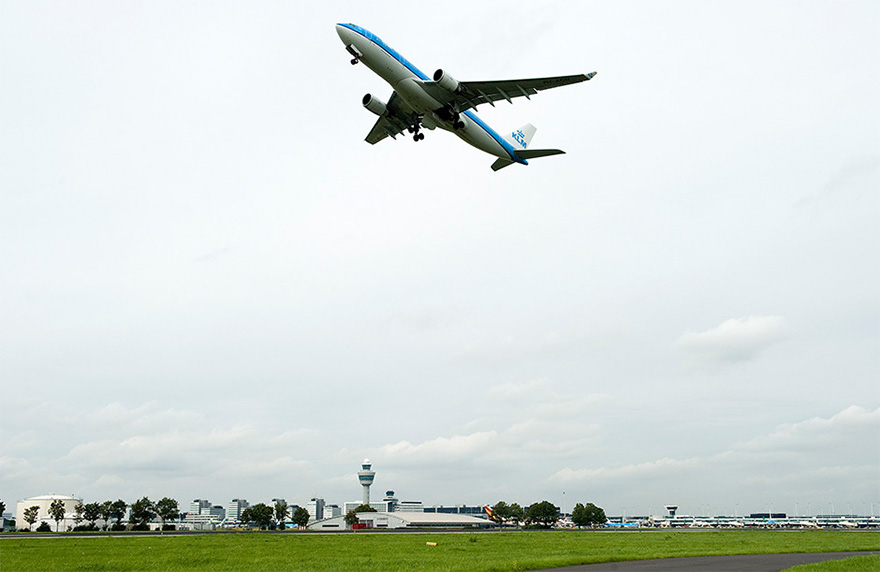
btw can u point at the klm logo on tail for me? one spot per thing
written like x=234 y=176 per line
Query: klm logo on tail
x=520 y=138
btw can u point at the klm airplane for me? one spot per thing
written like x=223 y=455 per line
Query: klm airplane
x=442 y=101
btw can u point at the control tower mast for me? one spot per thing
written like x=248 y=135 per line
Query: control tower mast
x=365 y=476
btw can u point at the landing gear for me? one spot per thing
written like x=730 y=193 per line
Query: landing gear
x=457 y=123
x=356 y=55
x=415 y=130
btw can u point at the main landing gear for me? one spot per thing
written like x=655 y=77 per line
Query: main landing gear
x=415 y=130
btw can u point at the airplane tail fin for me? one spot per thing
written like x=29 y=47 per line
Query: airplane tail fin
x=520 y=139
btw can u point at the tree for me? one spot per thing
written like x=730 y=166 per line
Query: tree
x=106 y=511
x=542 y=513
x=117 y=511
x=92 y=512
x=2 y=508
x=281 y=510
x=351 y=517
x=260 y=514
x=142 y=512
x=167 y=510
x=301 y=517
x=30 y=515
x=516 y=513
x=56 y=511
x=500 y=512
x=589 y=515
x=78 y=514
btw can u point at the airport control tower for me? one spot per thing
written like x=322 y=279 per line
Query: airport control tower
x=365 y=476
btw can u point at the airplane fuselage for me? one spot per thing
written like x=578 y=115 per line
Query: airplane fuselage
x=407 y=81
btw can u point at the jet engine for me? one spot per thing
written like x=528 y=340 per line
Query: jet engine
x=375 y=105
x=446 y=81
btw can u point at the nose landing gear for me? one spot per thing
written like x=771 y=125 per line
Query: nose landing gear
x=354 y=52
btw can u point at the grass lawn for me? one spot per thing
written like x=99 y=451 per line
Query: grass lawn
x=854 y=564
x=489 y=551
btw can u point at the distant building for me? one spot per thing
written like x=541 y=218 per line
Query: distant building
x=234 y=509
x=476 y=511
x=409 y=506
x=316 y=509
x=366 y=476
x=332 y=510
x=216 y=511
x=198 y=505
x=405 y=520
x=44 y=502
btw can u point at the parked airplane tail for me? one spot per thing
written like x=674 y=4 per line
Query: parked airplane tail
x=520 y=140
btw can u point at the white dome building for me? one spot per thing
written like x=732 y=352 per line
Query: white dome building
x=44 y=501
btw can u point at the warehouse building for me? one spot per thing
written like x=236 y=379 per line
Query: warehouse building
x=405 y=520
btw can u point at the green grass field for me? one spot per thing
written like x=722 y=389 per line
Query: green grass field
x=493 y=551
x=854 y=564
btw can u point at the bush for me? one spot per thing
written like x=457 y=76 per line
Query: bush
x=85 y=528
x=141 y=526
x=44 y=527
x=117 y=527
x=169 y=527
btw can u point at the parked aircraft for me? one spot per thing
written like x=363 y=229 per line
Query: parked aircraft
x=442 y=101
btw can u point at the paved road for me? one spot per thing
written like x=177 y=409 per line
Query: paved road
x=738 y=563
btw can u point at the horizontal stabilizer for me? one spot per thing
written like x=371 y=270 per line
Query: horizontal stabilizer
x=526 y=154
x=501 y=163
x=535 y=153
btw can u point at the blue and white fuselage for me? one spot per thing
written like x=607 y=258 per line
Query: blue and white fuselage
x=420 y=101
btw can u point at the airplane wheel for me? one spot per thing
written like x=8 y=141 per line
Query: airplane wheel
x=354 y=61
x=421 y=136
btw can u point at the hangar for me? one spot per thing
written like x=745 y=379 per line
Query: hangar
x=405 y=520
x=43 y=503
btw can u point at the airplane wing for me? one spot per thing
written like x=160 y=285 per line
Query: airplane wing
x=470 y=94
x=397 y=120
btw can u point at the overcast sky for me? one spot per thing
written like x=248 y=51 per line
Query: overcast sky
x=212 y=287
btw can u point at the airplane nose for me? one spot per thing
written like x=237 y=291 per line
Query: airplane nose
x=342 y=31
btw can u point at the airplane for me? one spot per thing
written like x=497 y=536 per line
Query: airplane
x=442 y=101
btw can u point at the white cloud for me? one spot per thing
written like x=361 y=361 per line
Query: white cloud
x=442 y=449
x=526 y=420
x=737 y=339
x=805 y=461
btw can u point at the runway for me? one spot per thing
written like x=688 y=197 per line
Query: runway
x=735 y=563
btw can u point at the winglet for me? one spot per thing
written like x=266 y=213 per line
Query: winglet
x=590 y=75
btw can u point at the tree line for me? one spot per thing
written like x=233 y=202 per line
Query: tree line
x=544 y=514
x=144 y=511
x=274 y=517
